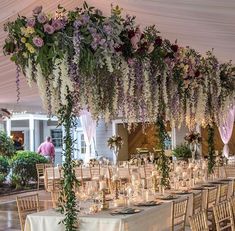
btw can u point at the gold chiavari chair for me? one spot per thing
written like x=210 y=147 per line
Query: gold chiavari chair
x=52 y=178
x=197 y=202
x=198 y=222
x=223 y=192
x=55 y=195
x=229 y=171
x=40 y=174
x=178 y=215
x=223 y=216
x=232 y=203
x=233 y=188
x=25 y=206
x=211 y=198
x=124 y=174
x=95 y=172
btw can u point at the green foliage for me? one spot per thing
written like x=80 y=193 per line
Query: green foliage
x=163 y=161
x=4 y=166
x=182 y=151
x=6 y=145
x=69 y=181
x=15 y=181
x=211 y=149
x=2 y=178
x=24 y=165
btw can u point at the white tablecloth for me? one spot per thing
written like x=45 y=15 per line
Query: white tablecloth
x=150 y=219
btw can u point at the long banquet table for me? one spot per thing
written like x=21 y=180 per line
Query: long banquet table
x=150 y=219
x=157 y=218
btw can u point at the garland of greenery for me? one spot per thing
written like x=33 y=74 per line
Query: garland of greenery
x=211 y=149
x=68 y=198
x=163 y=161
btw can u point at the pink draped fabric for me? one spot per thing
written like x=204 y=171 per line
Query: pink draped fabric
x=89 y=130
x=226 y=129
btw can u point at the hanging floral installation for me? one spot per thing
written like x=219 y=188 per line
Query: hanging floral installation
x=112 y=67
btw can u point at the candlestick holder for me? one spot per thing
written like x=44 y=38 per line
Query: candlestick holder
x=104 y=203
x=154 y=183
x=116 y=189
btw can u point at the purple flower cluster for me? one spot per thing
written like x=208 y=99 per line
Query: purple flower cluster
x=48 y=29
x=38 y=42
x=30 y=22
x=42 y=18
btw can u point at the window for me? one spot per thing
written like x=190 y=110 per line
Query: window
x=83 y=144
x=57 y=139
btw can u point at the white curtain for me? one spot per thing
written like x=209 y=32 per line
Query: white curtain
x=226 y=129
x=89 y=130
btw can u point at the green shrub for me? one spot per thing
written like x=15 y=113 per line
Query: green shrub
x=15 y=181
x=182 y=151
x=24 y=165
x=6 y=145
x=2 y=178
x=4 y=166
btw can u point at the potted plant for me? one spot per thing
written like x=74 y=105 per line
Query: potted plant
x=182 y=152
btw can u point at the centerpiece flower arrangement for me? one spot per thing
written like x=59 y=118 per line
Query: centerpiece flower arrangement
x=193 y=139
x=115 y=143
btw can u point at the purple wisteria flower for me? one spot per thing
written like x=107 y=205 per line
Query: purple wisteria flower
x=85 y=18
x=37 y=10
x=42 y=18
x=77 y=24
x=57 y=24
x=48 y=29
x=30 y=22
x=107 y=29
x=38 y=42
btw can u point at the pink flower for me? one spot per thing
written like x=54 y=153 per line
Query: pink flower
x=134 y=41
x=37 y=10
x=42 y=18
x=38 y=42
x=57 y=24
x=48 y=29
x=30 y=22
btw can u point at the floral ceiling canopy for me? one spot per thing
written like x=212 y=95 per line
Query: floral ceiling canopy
x=112 y=66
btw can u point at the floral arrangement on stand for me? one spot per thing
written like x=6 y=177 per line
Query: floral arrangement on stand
x=193 y=139
x=107 y=64
x=115 y=143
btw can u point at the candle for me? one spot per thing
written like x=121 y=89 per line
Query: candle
x=115 y=177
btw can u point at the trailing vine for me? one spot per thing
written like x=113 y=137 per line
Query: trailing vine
x=211 y=149
x=163 y=161
x=68 y=198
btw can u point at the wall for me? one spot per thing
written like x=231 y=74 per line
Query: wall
x=103 y=132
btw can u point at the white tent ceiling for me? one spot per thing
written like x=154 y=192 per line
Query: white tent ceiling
x=201 y=24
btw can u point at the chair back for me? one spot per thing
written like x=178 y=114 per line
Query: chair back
x=86 y=174
x=95 y=172
x=124 y=173
x=148 y=169
x=198 y=222
x=229 y=171
x=223 y=216
x=232 y=203
x=197 y=202
x=40 y=170
x=178 y=214
x=55 y=195
x=223 y=192
x=52 y=179
x=211 y=197
x=26 y=205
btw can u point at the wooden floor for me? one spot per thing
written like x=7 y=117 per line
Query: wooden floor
x=9 y=220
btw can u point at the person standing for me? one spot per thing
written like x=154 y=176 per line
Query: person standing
x=47 y=149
